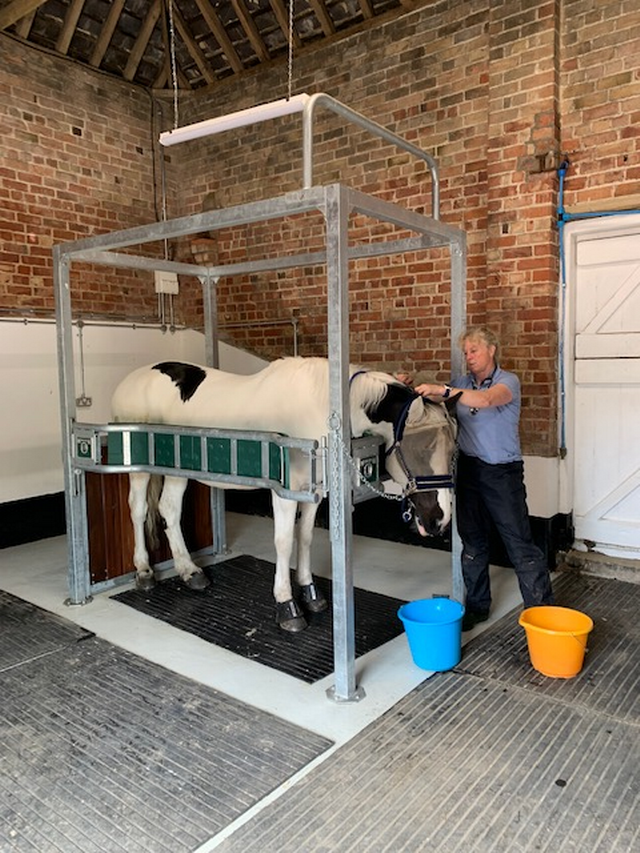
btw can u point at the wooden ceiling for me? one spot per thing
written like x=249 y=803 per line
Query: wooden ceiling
x=137 y=40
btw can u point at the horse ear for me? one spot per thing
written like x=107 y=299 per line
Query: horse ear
x=450 y=403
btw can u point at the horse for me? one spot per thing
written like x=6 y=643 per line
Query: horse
x=291 y=397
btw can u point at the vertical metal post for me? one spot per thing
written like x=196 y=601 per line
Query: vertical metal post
x=458 y=322
x=74 y=480
x=212 y=359
x=340 y=486
x=210 y=305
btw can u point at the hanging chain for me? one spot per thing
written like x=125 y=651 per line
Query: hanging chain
x=174 y=69
x=290 y=56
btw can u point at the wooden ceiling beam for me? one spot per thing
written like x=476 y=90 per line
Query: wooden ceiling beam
x=164 y=75
x=196 y=54
x=220 y=35
x=248 y=25
x=23 y=27
x=140 y=45
x=324 y=19
x=106 y=33
x=16 y=10
x=282 y=17
x=69 y=27
x=367 y=9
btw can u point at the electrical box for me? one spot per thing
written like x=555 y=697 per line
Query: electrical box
x=166 y=282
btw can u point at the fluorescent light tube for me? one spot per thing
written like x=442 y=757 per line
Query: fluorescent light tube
x=242 y=118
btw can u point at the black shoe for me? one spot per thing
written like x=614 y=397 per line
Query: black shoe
x=472 y=617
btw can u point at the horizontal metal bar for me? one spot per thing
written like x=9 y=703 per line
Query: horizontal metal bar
x=310 y=496
x=125 y=261
x=208 y=432
x=298 y=201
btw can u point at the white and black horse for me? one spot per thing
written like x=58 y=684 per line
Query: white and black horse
x=290 y=396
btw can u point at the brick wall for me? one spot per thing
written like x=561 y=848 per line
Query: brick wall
x=600 y=103
x=488 y=86
x=75 y=161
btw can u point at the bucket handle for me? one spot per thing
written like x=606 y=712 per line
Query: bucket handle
x=575 y=637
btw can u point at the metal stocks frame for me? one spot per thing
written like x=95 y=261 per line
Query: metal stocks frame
x=336 y=203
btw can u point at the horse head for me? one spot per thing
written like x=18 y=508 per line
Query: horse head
x=421 y=444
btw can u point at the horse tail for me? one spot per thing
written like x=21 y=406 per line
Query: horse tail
x=152 y=521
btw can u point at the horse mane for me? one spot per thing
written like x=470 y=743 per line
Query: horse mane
x=366 y=391
x=369 y=388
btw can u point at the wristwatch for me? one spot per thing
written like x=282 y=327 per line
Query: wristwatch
x=447 y=390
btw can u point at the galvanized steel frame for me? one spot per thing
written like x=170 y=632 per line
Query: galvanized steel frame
x=336 y=203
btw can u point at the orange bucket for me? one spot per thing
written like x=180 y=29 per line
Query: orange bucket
x=557 y=639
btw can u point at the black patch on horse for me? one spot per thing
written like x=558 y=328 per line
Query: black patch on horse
x=187 y=377
x=392 y=404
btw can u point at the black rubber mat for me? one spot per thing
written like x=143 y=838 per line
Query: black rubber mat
x=104 y=752
x=236 y=612
x=27 y=631
x=488 y=758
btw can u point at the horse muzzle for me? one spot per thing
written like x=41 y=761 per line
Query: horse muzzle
x=428 y=504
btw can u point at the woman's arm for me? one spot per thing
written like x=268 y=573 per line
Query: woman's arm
x=496 y=395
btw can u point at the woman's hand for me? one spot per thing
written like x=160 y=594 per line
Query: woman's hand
x=405 y=378
x=427 y=390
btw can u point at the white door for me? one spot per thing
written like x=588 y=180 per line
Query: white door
x=603 y=278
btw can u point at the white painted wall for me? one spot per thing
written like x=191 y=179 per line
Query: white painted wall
x=30 y=443
x=30 y=455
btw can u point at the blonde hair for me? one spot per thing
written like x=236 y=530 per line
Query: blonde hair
x=480 y=333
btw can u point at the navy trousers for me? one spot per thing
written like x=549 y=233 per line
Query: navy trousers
x=486 y=493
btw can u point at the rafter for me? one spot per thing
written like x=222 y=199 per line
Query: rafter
x=249 y=26
x=69 y=27
x=196 y=54
x=323 y=17
x=226 y=45
x=138 y=49
x=282 y=17
x=367 y=9
x=16 y=10
x=164 y=76
x=106 y=33
x=23 y=27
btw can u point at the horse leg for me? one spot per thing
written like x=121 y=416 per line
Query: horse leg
x=289 y=616
x=138 y=506
x=170 y=507
x=312 y=599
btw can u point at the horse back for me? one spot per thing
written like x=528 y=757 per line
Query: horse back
x=288 y=397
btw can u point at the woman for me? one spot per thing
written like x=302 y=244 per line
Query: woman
x=490 y=477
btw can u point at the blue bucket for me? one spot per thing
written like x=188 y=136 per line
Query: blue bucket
x=434 y=631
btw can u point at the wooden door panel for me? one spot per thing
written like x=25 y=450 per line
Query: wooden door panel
x=111 y=533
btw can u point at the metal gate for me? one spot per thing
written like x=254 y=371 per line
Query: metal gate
x=604 y=274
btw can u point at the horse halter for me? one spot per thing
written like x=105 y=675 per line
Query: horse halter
x=415 y=483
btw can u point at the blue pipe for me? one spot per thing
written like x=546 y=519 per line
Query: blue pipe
x=562 y=218
x=562 y=171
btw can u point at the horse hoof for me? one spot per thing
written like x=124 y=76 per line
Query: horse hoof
x=312 y=599
x=197 y=581
x=145 y=582
x=289 y=616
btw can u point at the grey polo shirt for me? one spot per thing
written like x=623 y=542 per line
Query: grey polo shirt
x=490 y=434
